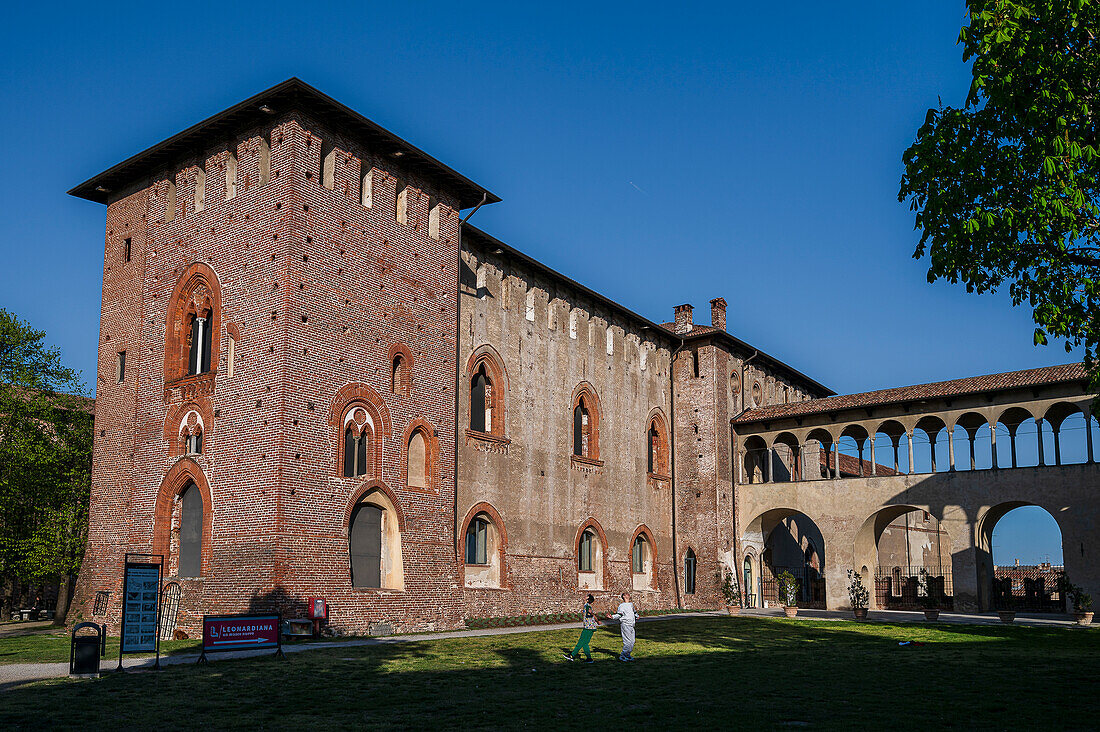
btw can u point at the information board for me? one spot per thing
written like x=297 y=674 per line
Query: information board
x=140 y=600
x=239 y=632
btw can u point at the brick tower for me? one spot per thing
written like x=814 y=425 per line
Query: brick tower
x=282 y=279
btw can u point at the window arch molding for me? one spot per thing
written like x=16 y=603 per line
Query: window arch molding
x=175 y=419
x=650 y=569
x=486 y=356
x=584 y=395
x=377 y=493
x=591 y=524
x=197 y=291
x=486 y=509
x=657 y=422
x=359 y=395
x=402 y=351
x=182 y=475
x=431 y=455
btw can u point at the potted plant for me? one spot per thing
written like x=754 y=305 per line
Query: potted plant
x=1082 y=601
x=928 y=597
x=788 y=590
x=857 y=594
x=731 y=593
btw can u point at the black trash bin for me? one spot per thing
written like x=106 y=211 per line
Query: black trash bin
x=84 y=652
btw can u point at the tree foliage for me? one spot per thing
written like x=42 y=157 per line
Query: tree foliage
x=45 y=457
x=1005 y=187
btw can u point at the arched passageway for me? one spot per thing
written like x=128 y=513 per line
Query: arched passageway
x=905 y=556
x=785 y=540
x=1020 y=552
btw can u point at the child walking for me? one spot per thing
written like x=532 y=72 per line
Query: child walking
x=590 y=623
x=627 y=616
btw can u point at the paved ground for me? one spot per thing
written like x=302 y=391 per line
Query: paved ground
x=31 y=627
x=17 y=674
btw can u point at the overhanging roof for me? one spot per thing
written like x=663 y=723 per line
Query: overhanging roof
x=292 y=94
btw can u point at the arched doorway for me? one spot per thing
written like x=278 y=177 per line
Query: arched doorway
x=787 y=541
x=1020 y=548
x=910 y=554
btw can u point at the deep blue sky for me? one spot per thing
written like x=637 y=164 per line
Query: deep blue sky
x=659 y=155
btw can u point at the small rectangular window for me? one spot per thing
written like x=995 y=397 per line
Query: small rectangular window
x=120 y=367
x=230 y=352
x=127 y=244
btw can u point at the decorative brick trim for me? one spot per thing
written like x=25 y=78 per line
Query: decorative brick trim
x=643 y=530
x=197 y=290
x=583 y=463
x=359 y=395
x=431 y=455
x=406 y=388
x=487 y=509
x=175 y=416
x=591 y=523
x=185 y=471
x=361 y=493
x=585 y=391
x=498 y=377
x=487 y=442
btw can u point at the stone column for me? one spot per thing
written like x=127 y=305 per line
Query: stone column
x=973 y=459
x=859 y=449
x=767 y=465
x=951 y=450
x=993 y=443
x=873 y=463
x=1088 y=434
x=909 y=440
x=1039 y=432
x=836 y=455
x=1057 y=447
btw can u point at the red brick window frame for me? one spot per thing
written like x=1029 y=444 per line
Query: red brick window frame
x=485 y=375
x=179 y=478
x=359 y=408
x=599 y=572
x=197 y=294
x=401 y=369
x=657 y=449
x=585 y=425
x=429 y=478
x=185 y=419
x=649 y=560
x=494 y=574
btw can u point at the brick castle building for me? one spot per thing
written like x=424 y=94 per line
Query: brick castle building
x=315 y=380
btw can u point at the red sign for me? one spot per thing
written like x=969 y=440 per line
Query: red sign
x=239 y=632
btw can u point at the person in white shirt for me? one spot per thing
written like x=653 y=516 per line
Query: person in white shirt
x=627 y=617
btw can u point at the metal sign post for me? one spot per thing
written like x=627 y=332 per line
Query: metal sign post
x=141 y=606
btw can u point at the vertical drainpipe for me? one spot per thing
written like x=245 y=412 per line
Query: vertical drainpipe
x=458 y=368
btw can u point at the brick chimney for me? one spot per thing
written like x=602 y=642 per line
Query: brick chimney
x=683 y=319
x=718 y=313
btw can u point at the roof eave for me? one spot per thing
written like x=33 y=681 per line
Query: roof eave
x=292 y=94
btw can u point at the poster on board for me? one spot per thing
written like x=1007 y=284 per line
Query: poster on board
x=140 y=607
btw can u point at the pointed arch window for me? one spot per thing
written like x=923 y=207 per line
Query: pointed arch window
x=587 y=551
x=481 y=401
x=358 y=436
x=639 y=555
x=190 y=532
x=193 y=325
x=401 y=382
x=418 y=460
x=689 y=572
x=581 y=425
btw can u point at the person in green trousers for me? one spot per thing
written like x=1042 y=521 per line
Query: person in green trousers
x=590 y=623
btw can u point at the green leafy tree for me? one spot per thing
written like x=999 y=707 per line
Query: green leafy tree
x=1005 y=188
x=45 y=461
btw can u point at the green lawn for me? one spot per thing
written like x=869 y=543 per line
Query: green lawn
x=51 y=647
x=752 y=672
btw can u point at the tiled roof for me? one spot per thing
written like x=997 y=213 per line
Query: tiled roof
x=935 y=390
